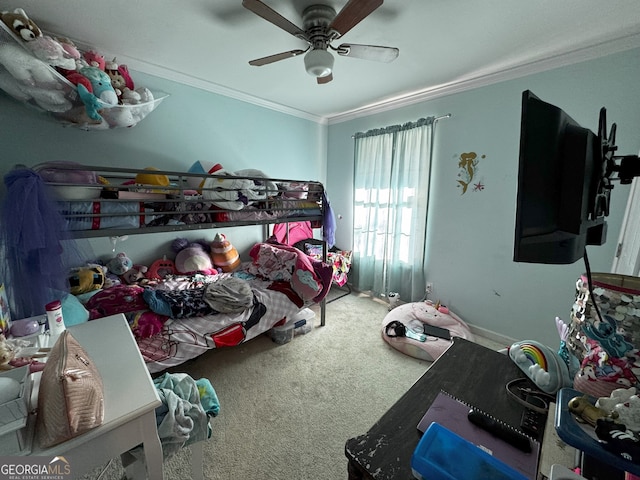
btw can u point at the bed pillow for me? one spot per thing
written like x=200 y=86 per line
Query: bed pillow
x=73 y=311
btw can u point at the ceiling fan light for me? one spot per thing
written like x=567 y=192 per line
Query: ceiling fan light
x=318 y=63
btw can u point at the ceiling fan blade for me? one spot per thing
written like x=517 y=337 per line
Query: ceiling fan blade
x=258 y=62
x=368 y=52
x=325 y=79
x=352 y=14
x=270 y=15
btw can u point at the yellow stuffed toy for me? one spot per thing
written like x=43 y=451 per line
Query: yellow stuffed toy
x=86 y=279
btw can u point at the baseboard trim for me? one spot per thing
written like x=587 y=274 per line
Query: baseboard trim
x=476 y=330
x=491 y=335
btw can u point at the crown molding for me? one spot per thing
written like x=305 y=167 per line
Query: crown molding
x=206 y=85
x=509 y=73
x=179 y=77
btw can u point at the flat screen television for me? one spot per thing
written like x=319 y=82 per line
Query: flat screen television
x=564 y=184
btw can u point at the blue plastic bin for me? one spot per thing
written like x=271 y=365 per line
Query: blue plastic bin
x=444 y=455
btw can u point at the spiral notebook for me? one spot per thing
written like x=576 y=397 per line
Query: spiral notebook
x=451 y=413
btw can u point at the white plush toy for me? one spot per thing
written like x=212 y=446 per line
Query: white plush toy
x=26 y=68
x=9 y=85
x=24 y=77
x=51 y=52
x=626 y=403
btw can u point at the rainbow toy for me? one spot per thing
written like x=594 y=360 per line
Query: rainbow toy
x=534 y=355
x=541 y=364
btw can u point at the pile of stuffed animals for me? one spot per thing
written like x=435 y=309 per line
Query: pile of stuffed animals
x=116 y=286
x=201 y=256
x=78 y=87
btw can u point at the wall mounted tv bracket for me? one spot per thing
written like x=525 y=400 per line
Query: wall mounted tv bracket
x=627 y=167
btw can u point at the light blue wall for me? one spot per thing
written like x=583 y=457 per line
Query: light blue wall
x=470 y=239
x=189 y=125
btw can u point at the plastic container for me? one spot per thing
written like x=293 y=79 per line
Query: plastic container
x=302 y=327
x=283 y=333
x=443 y=455
x=297 y=325
x=303 y=321
x=54 y=317
x=26 y=326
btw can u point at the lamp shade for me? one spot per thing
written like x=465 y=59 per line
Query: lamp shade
x=318 y=63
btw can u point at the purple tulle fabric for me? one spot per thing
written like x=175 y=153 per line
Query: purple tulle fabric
x=36 y=258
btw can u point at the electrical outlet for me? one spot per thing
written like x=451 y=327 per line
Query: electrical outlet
x=429 y=288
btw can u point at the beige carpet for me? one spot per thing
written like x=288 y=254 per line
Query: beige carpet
x=287 y=410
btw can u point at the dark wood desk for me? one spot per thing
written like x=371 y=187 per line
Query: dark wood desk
x=471 y=372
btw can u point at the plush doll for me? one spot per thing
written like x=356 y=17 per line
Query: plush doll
x=86 y=279
x=27 y=78
x=119 y=117
x=224 y=254
x=123 y=70
x=101 y=94
x=192 y=257
x=120 y=78
x=143 y=102
x=161 y=268
x=120 y=264
x=51 y=52
x=26 y=68
x=21 y=25
x=135 y=275
x=117 y=80
x=70 y=48
x=94 y=59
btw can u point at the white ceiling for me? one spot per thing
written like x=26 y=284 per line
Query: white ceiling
x=444 y=44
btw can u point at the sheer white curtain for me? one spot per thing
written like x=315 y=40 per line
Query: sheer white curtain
x=391 y=192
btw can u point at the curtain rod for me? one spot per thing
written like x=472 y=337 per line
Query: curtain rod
x=441 y=117
x=448 y=115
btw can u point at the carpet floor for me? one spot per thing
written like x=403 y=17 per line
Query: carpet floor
x=286 y=411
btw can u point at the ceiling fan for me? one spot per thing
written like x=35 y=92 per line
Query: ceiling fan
x=320 y=26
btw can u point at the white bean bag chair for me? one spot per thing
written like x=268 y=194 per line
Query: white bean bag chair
x=413 y=316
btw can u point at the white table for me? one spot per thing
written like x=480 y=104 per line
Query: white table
x=129 y=404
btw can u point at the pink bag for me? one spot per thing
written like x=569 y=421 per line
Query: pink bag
x=71 y=394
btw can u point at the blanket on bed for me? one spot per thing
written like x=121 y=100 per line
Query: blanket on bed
x=309 y=278
x=183 y=316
